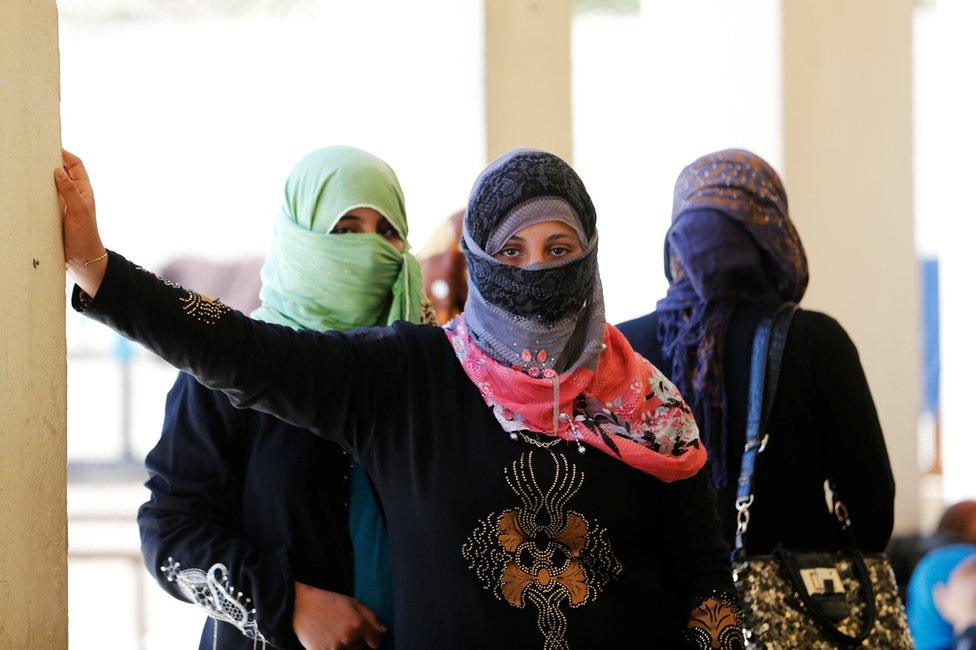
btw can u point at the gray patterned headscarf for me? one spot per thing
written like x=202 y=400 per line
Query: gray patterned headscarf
x=544 y=319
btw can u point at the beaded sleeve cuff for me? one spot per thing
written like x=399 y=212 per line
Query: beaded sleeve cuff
x=212 y=591
x=716 y=623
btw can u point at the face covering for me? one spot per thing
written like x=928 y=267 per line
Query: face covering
x=534 y=340
x=731 y=240
x=314 y=279
x=717 y=256
x=544 y=319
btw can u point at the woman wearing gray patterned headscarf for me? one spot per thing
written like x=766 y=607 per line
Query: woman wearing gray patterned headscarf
x=542 y=483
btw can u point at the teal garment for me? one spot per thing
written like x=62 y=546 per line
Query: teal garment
x=319 y=280
x=372 y=576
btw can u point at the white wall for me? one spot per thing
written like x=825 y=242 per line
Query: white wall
x=651 y=93
x=190 y=145
x=945 y=136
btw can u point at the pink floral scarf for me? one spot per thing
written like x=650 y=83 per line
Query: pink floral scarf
x=625 y=408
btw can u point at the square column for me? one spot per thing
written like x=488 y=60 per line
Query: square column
x=33 y=372
x=528 y=102
x=847 y=90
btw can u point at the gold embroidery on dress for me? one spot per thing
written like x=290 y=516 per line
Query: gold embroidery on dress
x=541 y=552
x=199 y=307
x=203 y=309
x=715 y=623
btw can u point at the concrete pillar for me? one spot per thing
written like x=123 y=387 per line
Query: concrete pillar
x=33 y=544
x=527 y=76
x=847 y=84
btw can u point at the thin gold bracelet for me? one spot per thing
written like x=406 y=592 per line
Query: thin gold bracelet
x=100 y=257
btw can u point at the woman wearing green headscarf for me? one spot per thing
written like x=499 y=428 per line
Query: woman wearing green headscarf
x=280 y=536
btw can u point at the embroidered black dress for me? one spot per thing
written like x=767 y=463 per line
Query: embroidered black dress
x=495 y=543
x=246 y=498
x=823 y=422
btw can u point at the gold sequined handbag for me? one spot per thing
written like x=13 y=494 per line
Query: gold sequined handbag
x=815 y=600
x=776 y=616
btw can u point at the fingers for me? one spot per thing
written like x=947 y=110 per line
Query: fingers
x=73 y=165
x=370 y=616
x=372 y=637
x=73 y=201
x=373 y=630
x=69 y=158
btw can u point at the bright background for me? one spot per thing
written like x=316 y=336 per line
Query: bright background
x=190 y=115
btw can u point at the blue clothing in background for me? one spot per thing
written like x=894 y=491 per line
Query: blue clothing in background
x=372 y=578
x=929 y=629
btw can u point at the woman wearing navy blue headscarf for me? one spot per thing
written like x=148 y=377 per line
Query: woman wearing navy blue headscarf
x=731 y=252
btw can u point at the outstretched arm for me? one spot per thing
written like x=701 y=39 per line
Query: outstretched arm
x=329 y=383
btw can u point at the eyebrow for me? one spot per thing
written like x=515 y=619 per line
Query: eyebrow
x=558 y=235
x=346 y=217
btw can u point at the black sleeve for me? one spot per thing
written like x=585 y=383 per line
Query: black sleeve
x=697 y=563
x=329 y=383
x=187 y=526
x=856 y=455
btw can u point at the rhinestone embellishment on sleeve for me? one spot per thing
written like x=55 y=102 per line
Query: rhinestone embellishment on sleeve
x=212 y=591
x=201 y=308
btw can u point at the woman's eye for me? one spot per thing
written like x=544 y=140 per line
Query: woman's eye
x=341 y=231
x=558 y=251
x=390 y=232
x=509 y=252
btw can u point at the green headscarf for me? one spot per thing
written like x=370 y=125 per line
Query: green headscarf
x=316 y=280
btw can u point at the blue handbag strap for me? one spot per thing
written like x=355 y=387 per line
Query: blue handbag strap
x=768 y=344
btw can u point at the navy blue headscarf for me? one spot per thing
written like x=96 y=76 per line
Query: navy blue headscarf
x=731 y=240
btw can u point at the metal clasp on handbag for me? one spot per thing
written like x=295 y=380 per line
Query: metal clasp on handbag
x=836 y=506
x=844 y=517
x=760 y=444
x=742 y=506
x=822 y=580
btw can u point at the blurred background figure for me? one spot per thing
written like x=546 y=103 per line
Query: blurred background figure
x=957 y=525
x=445 y=273
x=942 y=599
